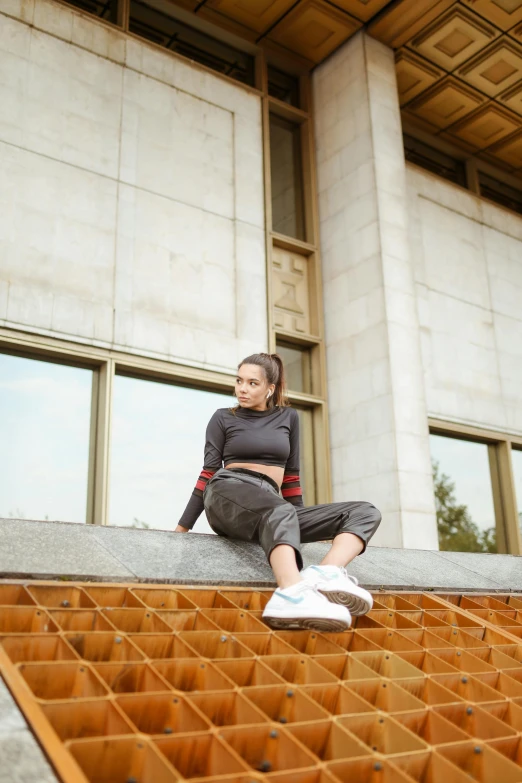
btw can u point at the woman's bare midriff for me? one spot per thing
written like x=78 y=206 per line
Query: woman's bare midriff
x=273 y=471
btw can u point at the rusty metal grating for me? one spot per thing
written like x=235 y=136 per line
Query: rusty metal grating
x=158 y=684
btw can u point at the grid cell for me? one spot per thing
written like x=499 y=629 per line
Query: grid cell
x=248 y=672
x=159 y=598
x=227 y=709
x=15 y=595
x=215 y=644
x=162 y=713
x=481 y=762
x=45 y=647
x=81 y=719
x=475 y=721
x=26 y=619
x=80 y=620
x=431 y=727
x=267 y=749
x=338 y=699
x=114 y=597
x=283 y=704
x=385 y=695
x=130 y=677
x=200 y=756
x=191 y=674
x=328 y=741
x=57 y=596
x=121 y=760
x=52 y=681
x=382 y=734
x=98 y=647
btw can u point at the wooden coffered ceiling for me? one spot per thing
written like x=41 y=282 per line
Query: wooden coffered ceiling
x=459 y=63
x=459 y=72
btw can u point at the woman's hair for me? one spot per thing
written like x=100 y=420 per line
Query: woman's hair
x=274 y=371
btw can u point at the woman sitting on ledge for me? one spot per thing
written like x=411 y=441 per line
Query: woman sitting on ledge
x=257 y=496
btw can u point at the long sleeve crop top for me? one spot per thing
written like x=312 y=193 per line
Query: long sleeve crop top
x=268 y=437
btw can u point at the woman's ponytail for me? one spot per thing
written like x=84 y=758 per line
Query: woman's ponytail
x=279 y=396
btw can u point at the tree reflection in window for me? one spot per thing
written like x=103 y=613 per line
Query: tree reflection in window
x=463 y=495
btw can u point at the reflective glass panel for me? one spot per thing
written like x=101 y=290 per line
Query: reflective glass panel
x=286 y=179
x=158 y=439
x=153 y=20
x=306 y=454
x=463 y=495
x=45 y=412
x=297 y=367
x=104 y=9
x=283 y=86
x=517 y=473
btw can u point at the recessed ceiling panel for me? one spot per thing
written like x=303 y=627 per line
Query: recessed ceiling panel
x=453 y=38
x=446 y=103
x=361 y=9
x=502 y=13
x=414 y=75
x=495 y=69
x=513 y=98
x=258 y=15
x=509 y=151
x=489 y=125
x=314 y=29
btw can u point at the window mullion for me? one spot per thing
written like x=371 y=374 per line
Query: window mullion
x=100 y=446
x=506 y=487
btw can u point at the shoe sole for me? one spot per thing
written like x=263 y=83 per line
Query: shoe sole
x=325 y=624
x=356 y=605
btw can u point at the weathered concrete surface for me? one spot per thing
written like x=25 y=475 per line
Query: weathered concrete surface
x=21 y=758
x=62 y=550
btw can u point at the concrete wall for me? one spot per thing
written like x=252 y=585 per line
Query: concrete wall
x=467 y=261
x=131 y=193
x=378 y=418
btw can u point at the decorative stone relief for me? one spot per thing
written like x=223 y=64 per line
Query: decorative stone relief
x=291 y=296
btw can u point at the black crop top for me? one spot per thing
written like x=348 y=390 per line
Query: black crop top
x=268 y=437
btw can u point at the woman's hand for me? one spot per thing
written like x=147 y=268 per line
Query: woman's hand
x=179 y=529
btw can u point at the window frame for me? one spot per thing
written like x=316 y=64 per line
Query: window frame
x=501 y=471
x=106 y=364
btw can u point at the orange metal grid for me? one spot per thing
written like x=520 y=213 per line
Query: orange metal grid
x=160 y=684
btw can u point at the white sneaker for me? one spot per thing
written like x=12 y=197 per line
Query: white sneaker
x=302 y=606
x=339 y=587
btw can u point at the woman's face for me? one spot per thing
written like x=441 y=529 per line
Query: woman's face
x=251 y=387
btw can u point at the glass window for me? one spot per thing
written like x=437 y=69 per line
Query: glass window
x=517 y=473
x=287 y=186
x=158 y=437
x=297 y=367
x=45 y=412
x=103 y=9
x=499 y=192
x=283 y=86
x=151 y=20
x=306 y=454
x=435 y=161
x=463 y=495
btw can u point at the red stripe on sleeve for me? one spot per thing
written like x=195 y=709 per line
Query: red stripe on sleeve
x=290 y=479
x=290 y=493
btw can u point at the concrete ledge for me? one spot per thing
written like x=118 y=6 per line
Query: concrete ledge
x=62 y=550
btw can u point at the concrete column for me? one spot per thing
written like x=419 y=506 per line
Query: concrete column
x=378 y=419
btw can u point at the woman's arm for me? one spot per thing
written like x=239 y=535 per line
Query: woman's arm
x=291 y=487
x=213 y=460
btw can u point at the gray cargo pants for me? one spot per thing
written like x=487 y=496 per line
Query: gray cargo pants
x=242 y=503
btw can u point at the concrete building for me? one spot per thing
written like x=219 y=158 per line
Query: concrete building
x=183 y=184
